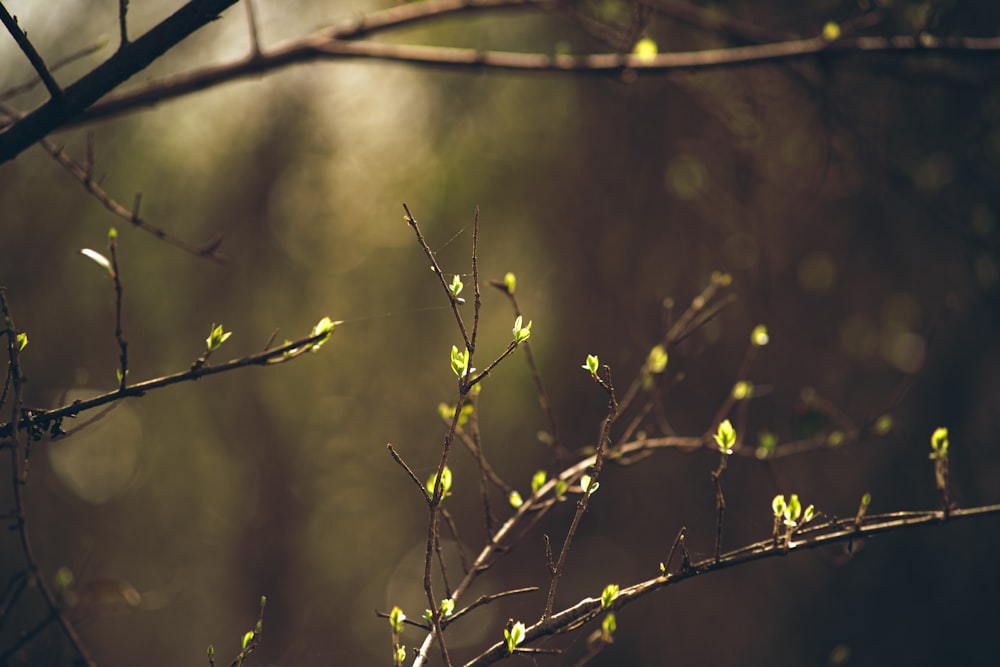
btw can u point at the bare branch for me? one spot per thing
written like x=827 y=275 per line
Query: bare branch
x=21 y=37
x=128 y=60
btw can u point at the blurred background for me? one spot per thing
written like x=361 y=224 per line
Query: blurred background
x=853 y=200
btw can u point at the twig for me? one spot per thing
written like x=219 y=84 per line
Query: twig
x=14 y=91
x=21 y=37
x=560 y=453
x=84 y=174
x=17 y=472
x=334 y=43
x=411 y=221
x=122 y=23
x=128 y=60
x=252 y=28
x=830 y=533
x=116 y=276
x=603 y=442
x=42 y=420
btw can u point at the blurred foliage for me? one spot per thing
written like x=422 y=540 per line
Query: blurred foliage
x=854 y=202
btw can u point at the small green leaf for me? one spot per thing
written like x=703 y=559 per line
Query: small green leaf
x=428 y=615
x=324 y=326
x=521 y=333
x=456 y=286
x=514 y=636
x=63 y=578
x=645 y=49
x=725 y=437
x=460 y=362
x=939 y=443
x=657 y=359
x=400 y=655
x=211 y=651
x=100 y=259
x=445 y=483
x=759 y=336
x=883 y=425
x=608 y=626
x=510 y=282
x=216 y=337
x=592 y=364
x=836 y=438
x=118 y=375
x=766 y=444
x=608 y=595
x=588 y=485
x=396 y=618
x=247 y=638
x=538 y=480
x=515 y=499
x=22 y=341
x=561 y=487
x=742 y=391
x=447 y=607
x=778 y=505
x=831 y=31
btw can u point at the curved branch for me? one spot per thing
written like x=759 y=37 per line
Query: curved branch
x=332 y=45
x=833 y=532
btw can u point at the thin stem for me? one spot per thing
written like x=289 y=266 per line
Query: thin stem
x=28 y=48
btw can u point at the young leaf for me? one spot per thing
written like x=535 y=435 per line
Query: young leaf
x=514 y=636
x=510 y=282
x=22 y=341
x=216 y=338
x=939 y=444
x=759 y=336
x=100 y=259
x=538 y=480
x=521 y=333
x=456 y=286
x=396 y=618
x=657 y=359
x=445 y=483
x=324 y=326
x=460 y=362
x=608 y=595
x=725 y=437
x=515 y=499
x=592 y=364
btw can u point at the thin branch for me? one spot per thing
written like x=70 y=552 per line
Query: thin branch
x=119 y=337
x=122 y=23
x=19 y=89
x=333 y=44
x=411 y=221
x=21 y=37
x=603 y=443
x=833 y=532
x=252 y=28
x=18 y=471
x=128 y=60
x=560 y=453
x=40 y=421
x=84 y=174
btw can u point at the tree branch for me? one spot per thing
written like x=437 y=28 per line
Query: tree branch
x=128 y=60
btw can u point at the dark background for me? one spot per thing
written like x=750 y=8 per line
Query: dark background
x=851 y=198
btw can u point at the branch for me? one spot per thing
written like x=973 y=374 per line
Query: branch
x=128 y=60
x=333 y=44
x=21 y=37
x=40 y=421
x=833 y=532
